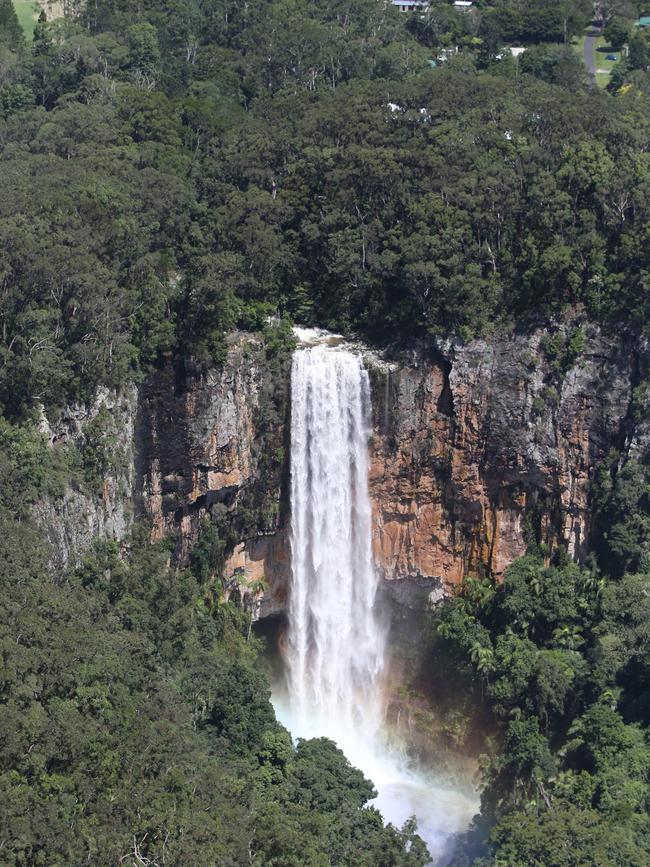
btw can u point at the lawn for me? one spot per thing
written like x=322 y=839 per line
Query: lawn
x=602 y=79
x=603 y=66
x=27 y=12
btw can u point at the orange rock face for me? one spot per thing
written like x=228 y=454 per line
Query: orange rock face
x=480 y=447
x=475 y=450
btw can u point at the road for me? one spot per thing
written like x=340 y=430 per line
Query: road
x=590 y=49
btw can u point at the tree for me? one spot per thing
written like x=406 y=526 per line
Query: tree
x=556 y=64
x=565 y=836
x=625 y=522
x=11 y=34
x=639 y=56
x=617 y=33
x=241 y=712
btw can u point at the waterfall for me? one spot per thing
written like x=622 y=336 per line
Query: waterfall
x=336 y=641
x=335 y=652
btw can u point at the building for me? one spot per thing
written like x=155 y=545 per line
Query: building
x=643 y=22
x=410 y=5
x=463 y=5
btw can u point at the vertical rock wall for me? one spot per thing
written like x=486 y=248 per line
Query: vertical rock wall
x=476 y=448
x=210 y=448
x=90 y=509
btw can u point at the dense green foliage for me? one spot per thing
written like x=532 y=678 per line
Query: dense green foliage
x=173 y=170
x=137 y=725
x=11 y=36
x=561 y=658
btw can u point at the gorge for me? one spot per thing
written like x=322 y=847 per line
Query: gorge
x=448 y=459
x=471 y=450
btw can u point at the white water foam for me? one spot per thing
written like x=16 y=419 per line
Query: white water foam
x=337 y=640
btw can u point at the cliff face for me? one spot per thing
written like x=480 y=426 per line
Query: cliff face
x=210 y=449
x=475 y=449
x=196 y=439
x=101 y=507
x=478 y=447
x=184 y=450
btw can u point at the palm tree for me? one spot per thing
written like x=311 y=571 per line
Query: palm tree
x=212 y=595
x=482 y=657
x=479 y=590
x=568 y=636
x=593 y=584
x=257 y=587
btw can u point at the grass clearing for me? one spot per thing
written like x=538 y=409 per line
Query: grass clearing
x=27 y=12
x=603 y=65
x=602 y=49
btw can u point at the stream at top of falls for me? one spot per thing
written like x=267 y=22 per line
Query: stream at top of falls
x=335 y=654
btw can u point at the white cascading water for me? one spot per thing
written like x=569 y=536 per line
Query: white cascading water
x=336 y=644
x=336 y=641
